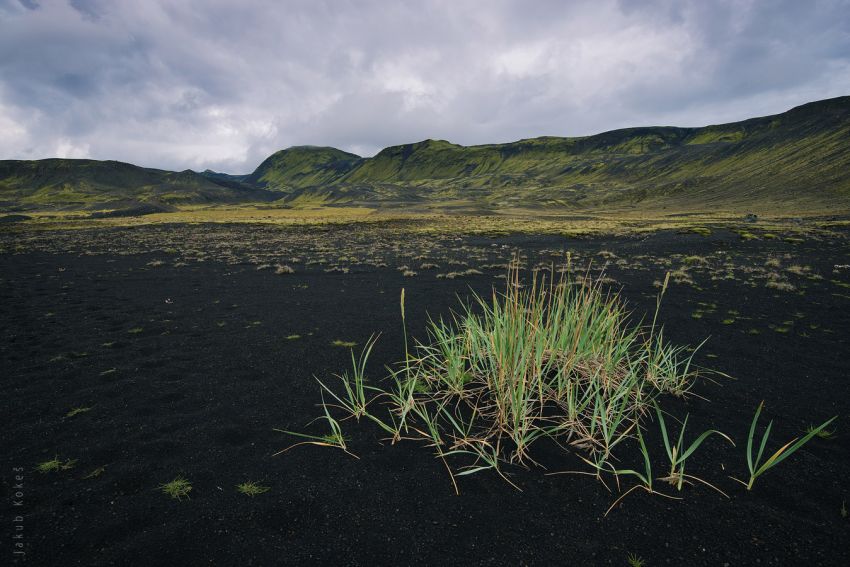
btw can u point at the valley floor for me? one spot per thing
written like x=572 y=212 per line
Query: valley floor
x=187 y=345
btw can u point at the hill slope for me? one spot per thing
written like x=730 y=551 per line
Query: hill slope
x=802 y=155
x=303 y=166
x=76 y=183
x=800 y=158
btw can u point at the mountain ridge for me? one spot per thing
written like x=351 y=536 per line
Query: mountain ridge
x=799 y=156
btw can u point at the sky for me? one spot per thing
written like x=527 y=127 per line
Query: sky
x=178 y=84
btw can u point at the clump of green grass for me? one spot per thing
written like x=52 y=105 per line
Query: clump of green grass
x=635 y=560
x=695 y=260
x=55 y=465
x=252 y=489
x=547 y=358
x=178 y=488
x=346 y=344
x=780 y=285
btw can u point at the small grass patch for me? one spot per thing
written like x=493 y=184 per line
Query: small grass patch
x=178 y=488
x=54 y=465
x=345 y=344
x=135 y=330
x=252 y=489
x=77 y=411
x=95 y=473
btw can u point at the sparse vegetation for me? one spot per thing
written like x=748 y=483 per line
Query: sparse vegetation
x=95 y=473
x=251 y=489
x=756 y=466
x=77 y=411
x=54 y=465
x=178 y=488
x=545 y=359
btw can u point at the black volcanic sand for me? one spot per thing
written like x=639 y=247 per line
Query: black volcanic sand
x=188 y=369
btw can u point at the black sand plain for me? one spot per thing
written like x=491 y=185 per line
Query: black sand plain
x=187 y=368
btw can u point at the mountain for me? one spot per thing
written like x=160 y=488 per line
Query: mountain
x=801 y=156
x=90 y=184
x=303 y=166
x=797 y=159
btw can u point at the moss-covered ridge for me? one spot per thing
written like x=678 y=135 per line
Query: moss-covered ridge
x=81 y=183
x=800 y=158
x=303 y=166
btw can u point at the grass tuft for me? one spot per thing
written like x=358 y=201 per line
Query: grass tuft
x=252 y=489
x=547 y=358
x=178 y=488
x=55 y=465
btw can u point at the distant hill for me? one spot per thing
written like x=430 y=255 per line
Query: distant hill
x=797 y=158
x=303 y=166
x=802 y=155
x=90 y=184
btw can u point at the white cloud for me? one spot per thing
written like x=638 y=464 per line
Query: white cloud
x=219 y=84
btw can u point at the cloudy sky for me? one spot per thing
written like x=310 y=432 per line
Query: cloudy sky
x=221 y=84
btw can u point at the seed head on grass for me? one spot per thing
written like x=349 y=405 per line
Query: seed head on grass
x=252 y=489
x=178 y=488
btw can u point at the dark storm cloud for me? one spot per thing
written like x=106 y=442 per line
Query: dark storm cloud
x=223 y=84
